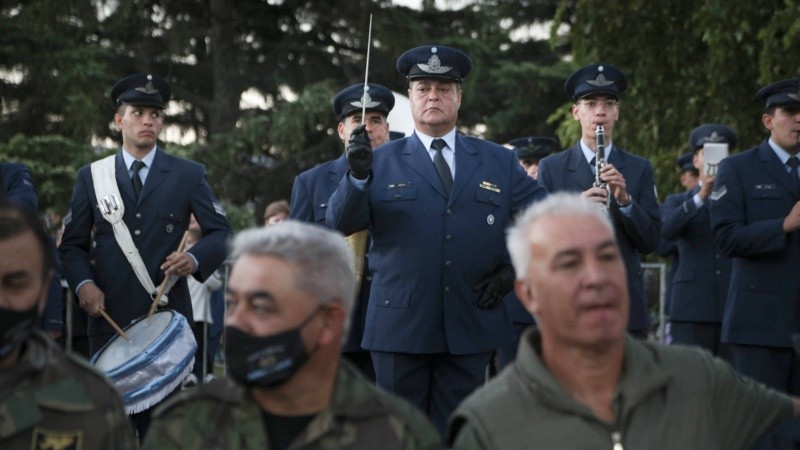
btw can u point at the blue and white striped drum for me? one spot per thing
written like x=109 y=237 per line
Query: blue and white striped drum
x=150 y=367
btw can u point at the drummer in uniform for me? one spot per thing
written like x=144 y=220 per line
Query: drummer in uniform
x=158 y=193
x=48 y=399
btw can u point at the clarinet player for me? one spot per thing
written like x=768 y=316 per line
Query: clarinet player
x=629 y=193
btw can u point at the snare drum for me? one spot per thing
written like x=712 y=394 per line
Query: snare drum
x=153 y=365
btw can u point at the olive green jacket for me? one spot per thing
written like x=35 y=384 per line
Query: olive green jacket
x=50 y=400
x=223 y=415
x=668 y=398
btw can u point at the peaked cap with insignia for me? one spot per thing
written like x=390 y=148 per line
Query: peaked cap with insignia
x=684 y=162
x=434 y=61
x=352 y=99
x=785 y=93
x=596 y=79
x=534 y=147
x=142 y=90
x=712 y=132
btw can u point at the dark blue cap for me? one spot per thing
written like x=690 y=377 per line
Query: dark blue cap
x=785 y=93
x=596 y=79
x=712 y=132
x=534 y=146
x=434 y=61
x=142 y=90
x=395 y=135
x=352 y=99
x=685 y=162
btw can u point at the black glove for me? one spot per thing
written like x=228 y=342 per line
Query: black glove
x=495 y=286
x=359 y=153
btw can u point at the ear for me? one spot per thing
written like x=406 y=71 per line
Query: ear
x=340 y=131
x=524 y=292
x=766 y=119
x=575 y=112
x=333 y=317
x=118 y=120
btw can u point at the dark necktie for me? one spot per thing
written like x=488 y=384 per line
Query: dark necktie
x=136 y=179
x=592 y=165
x=441 y=165
x=793 y=162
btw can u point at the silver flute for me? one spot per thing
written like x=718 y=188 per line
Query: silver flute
x=599 y=162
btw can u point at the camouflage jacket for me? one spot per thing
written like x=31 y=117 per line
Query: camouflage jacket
x=50 y=400
x=223 y=415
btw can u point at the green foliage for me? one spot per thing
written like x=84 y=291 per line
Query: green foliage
x=53 y=162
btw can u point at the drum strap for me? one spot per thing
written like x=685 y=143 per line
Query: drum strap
x=113 y=209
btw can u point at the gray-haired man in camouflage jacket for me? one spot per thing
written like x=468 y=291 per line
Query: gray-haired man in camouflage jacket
x=289 y=298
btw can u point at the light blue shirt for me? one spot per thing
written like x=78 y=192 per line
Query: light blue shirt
x=147 y=160
x=448 y=152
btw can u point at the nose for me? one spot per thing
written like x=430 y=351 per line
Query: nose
x=595 y=272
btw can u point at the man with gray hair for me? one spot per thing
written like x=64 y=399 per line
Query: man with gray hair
x=578 y=380
x=288 y=299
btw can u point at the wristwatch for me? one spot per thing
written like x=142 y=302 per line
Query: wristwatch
x=627 y=202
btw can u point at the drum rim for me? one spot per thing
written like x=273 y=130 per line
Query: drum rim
x=150 y=353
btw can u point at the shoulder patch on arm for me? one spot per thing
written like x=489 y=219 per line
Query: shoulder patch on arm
x=718 y=193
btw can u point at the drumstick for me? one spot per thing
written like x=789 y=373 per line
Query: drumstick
x=114 y=325
x=166 y=279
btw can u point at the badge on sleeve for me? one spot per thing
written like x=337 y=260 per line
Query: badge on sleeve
x=44 y=439
x=718 y=193
x=218 y=208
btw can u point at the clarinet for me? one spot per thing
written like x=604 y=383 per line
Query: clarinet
x=599 y=162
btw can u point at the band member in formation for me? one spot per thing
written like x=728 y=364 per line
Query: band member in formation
x=579 y=381
x=313 y=188
x=755 y=214
x=532 y=149
x=529 y=150
x=48 y=399
x=153 y=194
x=289 y=297
x=701 y=281
x=437 y=205
x=628 y=192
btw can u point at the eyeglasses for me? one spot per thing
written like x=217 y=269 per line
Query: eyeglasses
x=593 y=104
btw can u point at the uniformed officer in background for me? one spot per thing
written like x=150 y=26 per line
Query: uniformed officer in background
x=701 y=282
x=630 y=196
x=48 y=399
x=313 y=188
x=531 y=149
x=755 y=214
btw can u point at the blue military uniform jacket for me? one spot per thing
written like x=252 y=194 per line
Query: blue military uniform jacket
x=310 y=194
x=701 y=282
x=752 y=195
x=428 y=250
x=17 y=185
x=174 y=188
x=636 y=235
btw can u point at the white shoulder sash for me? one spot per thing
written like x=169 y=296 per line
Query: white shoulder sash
x=113 y=209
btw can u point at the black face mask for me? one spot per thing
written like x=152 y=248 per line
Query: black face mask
x=15 y=327
x=265 y=361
